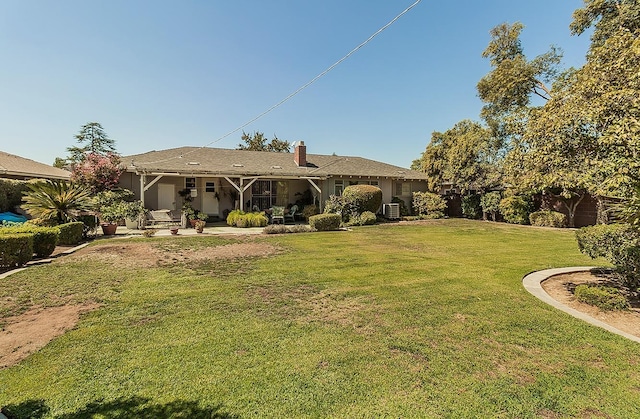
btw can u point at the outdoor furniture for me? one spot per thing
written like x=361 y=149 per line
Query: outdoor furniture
x=291 y=215
x=277 y=214
x=163 y=216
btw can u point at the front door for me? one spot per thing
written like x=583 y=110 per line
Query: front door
x=209 y=200
x=166 y=196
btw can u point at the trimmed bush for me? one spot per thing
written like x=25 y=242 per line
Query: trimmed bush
x=71 y=233
x=429 y=205
x=15 y=249
x=282 y=229
x=241 y=219
x=45 y=239
x=548 y=218
x=363 y=197
x=516 y=209
x=471 y=207
x=325 y=222
x=366 y=218
x=619 y=244
x=310 y=210
x=605 y=298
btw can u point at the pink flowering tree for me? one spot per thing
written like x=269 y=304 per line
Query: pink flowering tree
x=97 y=171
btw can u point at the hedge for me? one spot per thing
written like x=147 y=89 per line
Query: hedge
x=325 y=222
x=605 y=298
x=71 y=233
x=15 y=249
x=45 y=239
x=547 y=218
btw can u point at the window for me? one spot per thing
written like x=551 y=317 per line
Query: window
x=267 y=193
x=190 y=183
x=338 y=187
x=210 y=187
x=403 y=189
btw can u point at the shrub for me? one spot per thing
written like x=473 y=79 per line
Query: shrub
x=57 y=201
x=15 y=249
x=429 y=205
x=325 y=222
x=90 y=225
x=232 y=218
x=238 y=218
x=605 y=298
x=619 y=244
x=275 y=229
x=71 y=233
x=363 y=198
x=45 y=239
x=310 y=210
x=150 y=232
x=490 y=203
x=548 y=218
x=366 y=218
x=11 y=194
x=471 y=206
x=516 y=209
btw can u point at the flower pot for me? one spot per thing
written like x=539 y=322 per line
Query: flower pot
x=193 y=222
x=174 y=230
x=109 y=229
x=131 y=223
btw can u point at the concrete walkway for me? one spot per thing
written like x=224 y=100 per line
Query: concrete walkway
x=533 y=284
x=217 y=228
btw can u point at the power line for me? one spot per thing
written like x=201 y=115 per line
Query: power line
x=300 y=89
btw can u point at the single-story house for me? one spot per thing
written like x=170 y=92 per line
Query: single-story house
x=217 y=179
x=16 y=167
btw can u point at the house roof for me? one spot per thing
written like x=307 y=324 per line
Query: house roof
x=233 y=163
x=16 y=167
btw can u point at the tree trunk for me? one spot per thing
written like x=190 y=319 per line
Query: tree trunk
x=571 y=207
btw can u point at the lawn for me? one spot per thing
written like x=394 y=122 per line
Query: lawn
x=418 y=320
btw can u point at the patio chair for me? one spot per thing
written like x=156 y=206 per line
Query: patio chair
x=277 y=214
x=291 y=215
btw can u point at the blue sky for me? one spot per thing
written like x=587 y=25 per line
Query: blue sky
x=161 y=74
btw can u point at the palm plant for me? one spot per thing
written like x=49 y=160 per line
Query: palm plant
x=56 y=201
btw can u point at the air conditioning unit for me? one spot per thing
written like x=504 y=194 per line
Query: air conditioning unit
x=391 y=211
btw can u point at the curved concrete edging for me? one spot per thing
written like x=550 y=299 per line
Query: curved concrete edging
x=533 y=283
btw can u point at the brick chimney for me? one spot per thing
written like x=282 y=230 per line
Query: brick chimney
x=300 y=154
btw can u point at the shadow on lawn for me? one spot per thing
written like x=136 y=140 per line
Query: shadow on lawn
x=134 y=407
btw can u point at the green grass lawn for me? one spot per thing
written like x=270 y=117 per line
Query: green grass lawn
x=421 y=320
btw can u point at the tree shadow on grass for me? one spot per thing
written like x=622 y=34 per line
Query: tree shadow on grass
x=134 y=407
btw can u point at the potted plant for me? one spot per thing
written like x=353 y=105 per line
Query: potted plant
x=199 y=226
x=110 y=215
x=135 y=215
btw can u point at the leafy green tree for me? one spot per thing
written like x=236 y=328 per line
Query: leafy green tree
x=509 y=87
x=465 y=155
x=258 y=142
x=607 y=17
x=56 y=201
x=92 y=139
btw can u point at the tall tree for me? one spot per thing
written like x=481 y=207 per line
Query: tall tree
x=465 y=155
x=607 y=17
x=92 y=139
x=258 y=142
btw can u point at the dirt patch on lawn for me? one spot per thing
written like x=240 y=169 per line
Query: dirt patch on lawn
x=146 y=255
x=561 y=287
x=30 y=331
x=26 y=333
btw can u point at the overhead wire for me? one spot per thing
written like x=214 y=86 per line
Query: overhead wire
x=300 y=89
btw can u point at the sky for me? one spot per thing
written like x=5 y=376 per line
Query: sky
x=159 y=74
